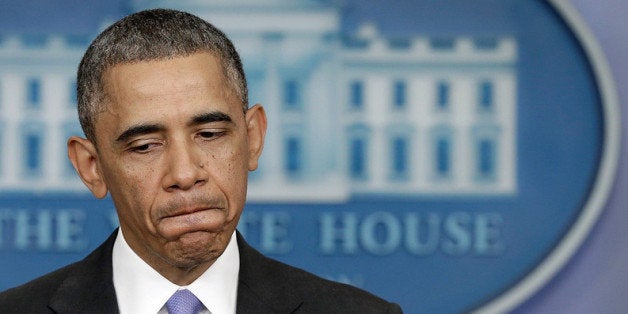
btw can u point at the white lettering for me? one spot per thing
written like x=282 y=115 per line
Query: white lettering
x=35 y=228
x=274 y=237
x=70 y=236
x=420 y=234
x=390 y=238
x=458 y=238
x=487 y=234
x=269 y=230
x=334 y=229
x=42 y=230
x=429 y=230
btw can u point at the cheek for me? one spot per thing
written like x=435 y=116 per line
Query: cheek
x=231 y=158
x=231 y=174
x=130 y=189
x=130 y=180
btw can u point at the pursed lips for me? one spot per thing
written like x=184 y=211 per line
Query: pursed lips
x=189 y=205
x=188 y=211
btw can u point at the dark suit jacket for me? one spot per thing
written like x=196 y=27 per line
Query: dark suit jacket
x=265 y=286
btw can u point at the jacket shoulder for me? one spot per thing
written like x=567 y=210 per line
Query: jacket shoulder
x=287 y=288
x=35 y=294
x=325 y=296
x=75 y=282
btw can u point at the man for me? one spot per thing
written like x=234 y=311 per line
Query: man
x=162 y=99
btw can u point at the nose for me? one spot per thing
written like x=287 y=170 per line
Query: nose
x=185 y=166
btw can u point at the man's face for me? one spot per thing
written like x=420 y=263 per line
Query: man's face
x=174 y=148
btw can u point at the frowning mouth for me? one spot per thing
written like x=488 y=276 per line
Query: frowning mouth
x=197 y=209
x=188 y=211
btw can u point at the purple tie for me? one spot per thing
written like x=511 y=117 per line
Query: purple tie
x=184 y=302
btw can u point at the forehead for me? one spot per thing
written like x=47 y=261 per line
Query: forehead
x=147 y=77
x=166 y=88
x=199 y=73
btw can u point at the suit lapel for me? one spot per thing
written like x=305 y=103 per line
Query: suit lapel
x=89 y=289
x=261 y=286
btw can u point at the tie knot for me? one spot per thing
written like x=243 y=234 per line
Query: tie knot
x=184 y=302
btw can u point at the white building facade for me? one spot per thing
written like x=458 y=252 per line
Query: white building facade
x=348 y=114
x=429 y=115
x=38 y=112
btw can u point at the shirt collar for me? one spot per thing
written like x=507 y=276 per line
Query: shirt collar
x=141 y=289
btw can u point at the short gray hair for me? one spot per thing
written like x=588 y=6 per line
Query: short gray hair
x=151 y=35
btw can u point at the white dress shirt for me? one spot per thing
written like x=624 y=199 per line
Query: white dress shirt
x=141 y=289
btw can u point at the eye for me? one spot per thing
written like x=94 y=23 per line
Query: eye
x=210 y=134
x=142 y=148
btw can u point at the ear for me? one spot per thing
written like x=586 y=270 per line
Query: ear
x=256 y=132
x=84 y=157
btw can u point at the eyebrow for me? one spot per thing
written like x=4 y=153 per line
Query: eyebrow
x=139 y=130
x=214 y=116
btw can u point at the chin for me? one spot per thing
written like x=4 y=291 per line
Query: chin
x=198 y=247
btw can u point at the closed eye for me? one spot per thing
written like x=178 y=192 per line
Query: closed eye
x=210 y=134
x=143 y=148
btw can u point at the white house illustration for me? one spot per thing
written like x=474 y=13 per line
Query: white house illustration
x=349 y=114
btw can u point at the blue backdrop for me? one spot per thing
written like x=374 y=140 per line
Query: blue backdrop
x=559 y=140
